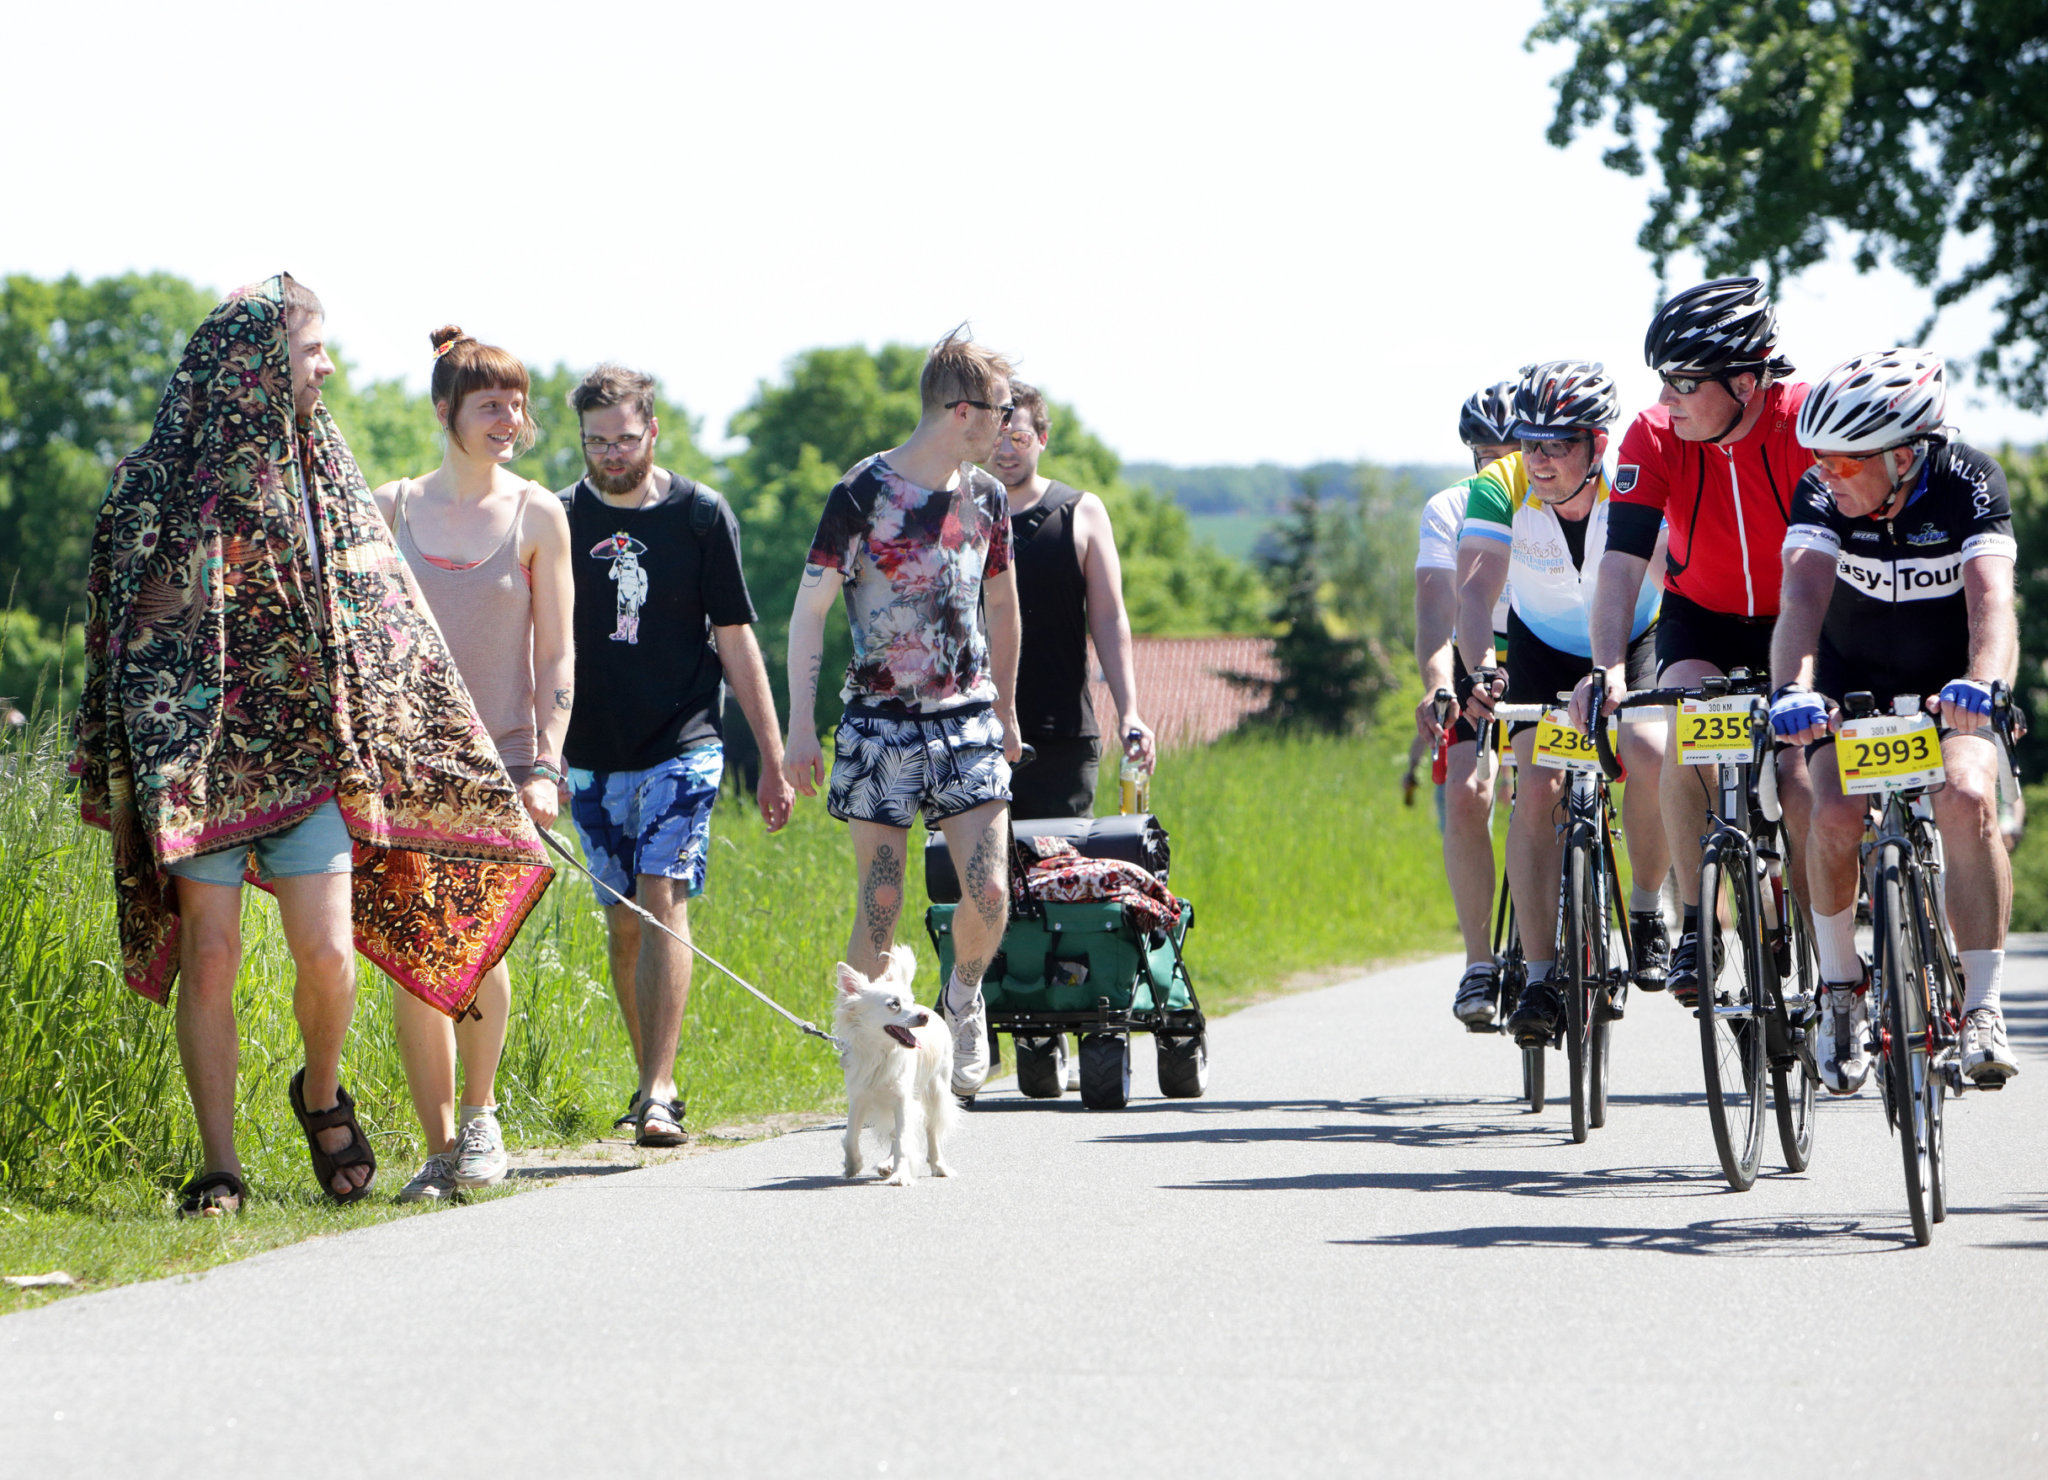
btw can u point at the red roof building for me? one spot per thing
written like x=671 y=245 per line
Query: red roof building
x=1181 y=689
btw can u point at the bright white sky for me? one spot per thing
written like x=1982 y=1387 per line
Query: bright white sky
x=1227 y=233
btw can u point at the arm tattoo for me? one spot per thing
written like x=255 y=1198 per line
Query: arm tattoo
x=562 y=698
x=881 y=897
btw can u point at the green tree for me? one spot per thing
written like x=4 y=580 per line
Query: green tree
x=1903 y=123
x=2026 y=477
x=82 y=365
x=1328 y=681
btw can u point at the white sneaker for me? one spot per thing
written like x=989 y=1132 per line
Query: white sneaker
x=1844 y=1027
x=433 y=1182
x=479 y=1155
x=1986 y=1057
x=970 y=1046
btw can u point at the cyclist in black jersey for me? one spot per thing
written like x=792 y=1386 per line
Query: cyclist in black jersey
x=1898 y=581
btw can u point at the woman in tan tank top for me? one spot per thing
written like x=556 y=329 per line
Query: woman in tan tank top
x=489 y=553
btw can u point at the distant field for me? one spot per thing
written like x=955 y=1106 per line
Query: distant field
x=1233 y=534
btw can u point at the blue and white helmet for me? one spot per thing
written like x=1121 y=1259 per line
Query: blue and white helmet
x=1487 y=419
x=1876 y=401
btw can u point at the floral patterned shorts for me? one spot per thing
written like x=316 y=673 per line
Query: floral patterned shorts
x=655 y=822
x=886 y=768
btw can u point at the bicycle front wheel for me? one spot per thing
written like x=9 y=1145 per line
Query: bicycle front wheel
x=1911 y=1093
x=1731 y=1032
x=1582 y=973
x=1793 y=1082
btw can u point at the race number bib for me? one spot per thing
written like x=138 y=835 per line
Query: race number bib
x=1889 y=754
x=1712 y=732
x=1562 y=746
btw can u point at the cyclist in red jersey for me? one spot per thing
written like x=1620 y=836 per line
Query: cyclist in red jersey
x=1716 y=460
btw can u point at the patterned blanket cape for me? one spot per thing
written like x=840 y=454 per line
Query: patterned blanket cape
x=231 y=688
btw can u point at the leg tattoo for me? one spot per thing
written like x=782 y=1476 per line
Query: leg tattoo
x=881 y=897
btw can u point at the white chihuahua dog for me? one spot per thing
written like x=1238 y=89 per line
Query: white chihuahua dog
x=896 y=1054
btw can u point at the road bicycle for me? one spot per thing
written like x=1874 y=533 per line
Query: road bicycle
x=1916 y=982
x=1759 y=1004
x=1590 y=966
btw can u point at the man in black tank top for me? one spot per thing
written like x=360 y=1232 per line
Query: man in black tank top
x=1070 y=585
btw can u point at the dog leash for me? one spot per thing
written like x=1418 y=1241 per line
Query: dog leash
x=548 y=837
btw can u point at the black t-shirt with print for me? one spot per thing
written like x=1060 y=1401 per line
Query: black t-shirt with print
x=649 y=589
x=1897 y=622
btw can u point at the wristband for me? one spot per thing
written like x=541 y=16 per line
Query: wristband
x=547 y=768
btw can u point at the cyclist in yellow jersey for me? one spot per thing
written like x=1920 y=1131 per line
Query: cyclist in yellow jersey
x=1539 y=518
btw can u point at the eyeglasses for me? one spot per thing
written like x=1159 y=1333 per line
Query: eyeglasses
x=1685 y=385
x=1005 y=411
x=598 y=446
x=1015 y=435
x=1550 y=451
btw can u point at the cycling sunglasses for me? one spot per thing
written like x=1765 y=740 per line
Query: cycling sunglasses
x=1842 y=465
x=1550 y=449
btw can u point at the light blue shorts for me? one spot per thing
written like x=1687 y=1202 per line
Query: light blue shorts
x=318 y=845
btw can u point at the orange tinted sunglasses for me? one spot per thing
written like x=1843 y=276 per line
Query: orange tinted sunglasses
x=1843 y=466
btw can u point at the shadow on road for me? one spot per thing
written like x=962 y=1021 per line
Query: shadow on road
x=1425 y=1123
x=1753 y=1238
x=1614 y=1182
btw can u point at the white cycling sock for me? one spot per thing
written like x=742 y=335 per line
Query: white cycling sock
x=960 y=1000
x=1834 y=940
x=1643 y=901
x=1982 y=973
x=1539 y=971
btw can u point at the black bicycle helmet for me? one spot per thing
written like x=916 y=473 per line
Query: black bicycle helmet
x=1561 y=398
x=1487 y=419
x=1716 y=329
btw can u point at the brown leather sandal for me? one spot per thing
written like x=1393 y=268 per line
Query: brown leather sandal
x=327 y=1163
x=211 y=1196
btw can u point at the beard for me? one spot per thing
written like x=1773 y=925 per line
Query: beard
x=617 y=483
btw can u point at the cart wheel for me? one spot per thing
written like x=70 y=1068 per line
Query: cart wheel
x=1183 y=1066
x=1041 y=1066
x=1105 y=1070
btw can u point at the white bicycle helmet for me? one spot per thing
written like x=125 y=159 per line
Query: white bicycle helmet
x=1876 y=401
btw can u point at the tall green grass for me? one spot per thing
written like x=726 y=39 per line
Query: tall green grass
x=1297 y=853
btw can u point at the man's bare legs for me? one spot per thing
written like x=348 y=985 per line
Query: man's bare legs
x=314 y=909
x=1642 y=813
x=651 y=974
x=1684 y=793
x=1468 y=849
x=979 y=841
x=430 y=1047
x=1535 y=853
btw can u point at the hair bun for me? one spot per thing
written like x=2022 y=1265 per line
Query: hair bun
x=446 y=335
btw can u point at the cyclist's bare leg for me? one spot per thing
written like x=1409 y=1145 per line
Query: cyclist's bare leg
x=1642 y=814
x=1468 y=849
x=1684 y=791
x=1535 y=850
x=1979 y=874
x=1834 y=833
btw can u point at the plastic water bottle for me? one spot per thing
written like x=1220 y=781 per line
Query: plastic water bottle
x=1136 y=788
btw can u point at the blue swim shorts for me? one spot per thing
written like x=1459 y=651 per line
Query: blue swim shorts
x=319 y=844
x=655 y=822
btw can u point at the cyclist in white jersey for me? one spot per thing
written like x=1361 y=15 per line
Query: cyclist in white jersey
x=1484 y=425
x=1538 y=519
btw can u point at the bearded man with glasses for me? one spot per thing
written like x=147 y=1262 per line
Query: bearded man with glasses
x=662 y=618
x=1539 y=520
x=1714 y=463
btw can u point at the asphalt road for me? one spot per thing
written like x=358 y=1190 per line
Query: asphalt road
x=1357 y=1256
